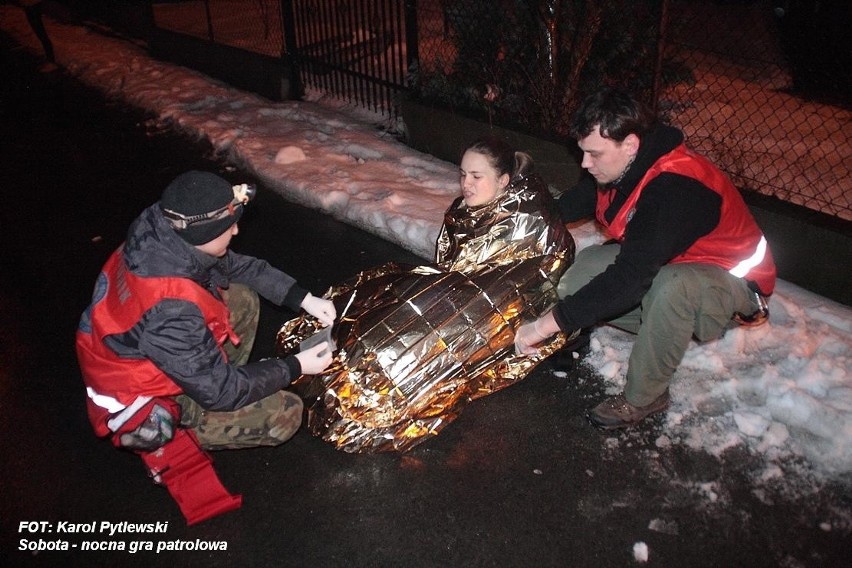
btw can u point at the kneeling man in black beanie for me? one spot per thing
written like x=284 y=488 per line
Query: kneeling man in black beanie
x=164 y=345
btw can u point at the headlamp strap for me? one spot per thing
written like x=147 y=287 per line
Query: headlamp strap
x=242 y=194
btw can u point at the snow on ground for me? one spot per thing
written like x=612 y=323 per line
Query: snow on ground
x=781 y=392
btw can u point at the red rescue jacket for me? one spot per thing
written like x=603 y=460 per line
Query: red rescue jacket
x=736 y=244
x=116 y=386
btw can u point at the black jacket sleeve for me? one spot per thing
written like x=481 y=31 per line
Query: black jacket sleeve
x=578 y=203
x=271 y=283
x=174 y=337
x=672 y=213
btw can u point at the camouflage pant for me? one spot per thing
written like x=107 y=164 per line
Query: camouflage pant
x=244 y=306
x=268 y=422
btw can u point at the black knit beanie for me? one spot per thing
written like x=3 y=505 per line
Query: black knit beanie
x=196 y=193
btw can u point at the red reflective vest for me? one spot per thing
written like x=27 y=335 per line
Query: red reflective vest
x=117 y=386
x=736 y=244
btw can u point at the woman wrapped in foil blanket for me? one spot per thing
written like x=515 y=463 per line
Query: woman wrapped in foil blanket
x=415 y=344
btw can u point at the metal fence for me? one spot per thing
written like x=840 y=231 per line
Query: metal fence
x=758 y=100
x=252 y=25
x=357 y=50
x=760 y=87
x=748 y=81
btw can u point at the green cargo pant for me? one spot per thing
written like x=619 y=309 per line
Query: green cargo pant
x=685 y=300
x=268 y=422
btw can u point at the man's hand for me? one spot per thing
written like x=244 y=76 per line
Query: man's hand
x=526 y=339
x=321 y=309
x=316 y=359
x=531 y=334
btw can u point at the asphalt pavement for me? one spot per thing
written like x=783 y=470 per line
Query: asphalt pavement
x=520 y=479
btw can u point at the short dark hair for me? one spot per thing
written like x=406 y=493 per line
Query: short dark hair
x=616 y=112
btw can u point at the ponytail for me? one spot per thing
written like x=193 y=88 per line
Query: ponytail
x=502 y=157
x=523 y=165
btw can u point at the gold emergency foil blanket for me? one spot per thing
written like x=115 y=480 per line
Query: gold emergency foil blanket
x=417 y=343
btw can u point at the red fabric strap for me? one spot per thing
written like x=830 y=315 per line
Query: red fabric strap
x=187 y=472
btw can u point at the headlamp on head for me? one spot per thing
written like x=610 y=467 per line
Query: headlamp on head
x=243 y=194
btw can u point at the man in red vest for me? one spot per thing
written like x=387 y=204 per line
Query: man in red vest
x=686 y=258
x=164 y=346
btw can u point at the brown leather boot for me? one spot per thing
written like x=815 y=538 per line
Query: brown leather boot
x=615 y=412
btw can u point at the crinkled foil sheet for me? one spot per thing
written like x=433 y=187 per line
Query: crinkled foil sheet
x=418 y=343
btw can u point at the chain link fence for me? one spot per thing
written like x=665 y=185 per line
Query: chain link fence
x=761 y=87
x=741 y=78
x=528 y=64
x=771 y=117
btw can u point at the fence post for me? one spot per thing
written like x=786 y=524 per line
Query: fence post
x=661 y=48
x=150 y=21
x=290 y=56
x=209 y=20
x=411 y=37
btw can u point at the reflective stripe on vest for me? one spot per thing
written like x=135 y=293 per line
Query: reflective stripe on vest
x=736 y=237
x=113 y=406
x=114 y=383
x=743 y=267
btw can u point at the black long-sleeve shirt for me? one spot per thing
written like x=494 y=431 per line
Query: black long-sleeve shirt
x=671 y=214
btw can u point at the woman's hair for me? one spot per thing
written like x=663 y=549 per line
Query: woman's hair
x=502 y=157
x=616 y=112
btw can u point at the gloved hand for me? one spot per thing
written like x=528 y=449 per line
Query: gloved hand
x=531 y=334
x=526 y=339
x=316 y=359
x=154 y=432
x=321 y=309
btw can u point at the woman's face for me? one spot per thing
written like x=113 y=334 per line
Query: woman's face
x=479 y=181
